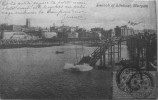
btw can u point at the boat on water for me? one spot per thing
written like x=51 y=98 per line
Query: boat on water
x=77 y=68
x=81 y=66
x=59 y=52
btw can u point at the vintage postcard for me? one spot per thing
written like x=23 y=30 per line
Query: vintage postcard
x=78 y=49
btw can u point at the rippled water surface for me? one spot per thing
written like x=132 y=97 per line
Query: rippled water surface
x=38 y=73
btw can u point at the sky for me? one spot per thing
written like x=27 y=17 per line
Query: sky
x=105 y=17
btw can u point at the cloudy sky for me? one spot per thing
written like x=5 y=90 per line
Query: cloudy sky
x=105 y=17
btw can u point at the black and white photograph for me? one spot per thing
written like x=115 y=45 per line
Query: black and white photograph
x=78 y=49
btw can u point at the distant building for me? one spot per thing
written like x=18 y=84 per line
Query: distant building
x=150 y=31
x=28 y=22
x=73 y=35
x=95 y=35
x=108 y=33
x=123 y=31
x=138 y=31
x=63 y=31
x=53 y=29
x=14 y=28
x=117 y=31
x=73 y=29
x=73 y=32
x=82 y=33
x=31 y=29
x=49 y=34
x=15 y=35
x=45 y=30
x=2 y=28
x=1 y=35
x=126 y=31
x=63 y=28
x=9 y=28
x=113 y=33
x=19 y=36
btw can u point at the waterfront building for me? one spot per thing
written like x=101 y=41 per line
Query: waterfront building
x=49 y=34
x=73 y=35
x=150 y=31
x=53 y=29
x=14 y=35
x=45 y=30
x=82 y=33
x=63 y=28
x=117 y=31
x=123 y=31
x=14 y=28
x=108 y=33
x=63 y=31
x=28 y=22
x=138 y=31
x=2 y=28
x=126 y=31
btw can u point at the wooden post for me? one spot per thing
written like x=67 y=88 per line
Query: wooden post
x=113 y=63
x=118 y=50
x=108 y=53
x=101 y=60
x=104 y=55
x=111 y=53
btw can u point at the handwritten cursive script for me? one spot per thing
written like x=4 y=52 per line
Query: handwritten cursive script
x=67 y=9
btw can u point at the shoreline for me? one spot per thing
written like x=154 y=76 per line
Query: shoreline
x=42 y=44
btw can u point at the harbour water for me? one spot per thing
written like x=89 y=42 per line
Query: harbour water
x=38 y=73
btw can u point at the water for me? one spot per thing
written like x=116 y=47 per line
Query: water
x=38 y=73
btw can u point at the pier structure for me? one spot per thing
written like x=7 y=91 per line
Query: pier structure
x=106 y=53
x=142 y=50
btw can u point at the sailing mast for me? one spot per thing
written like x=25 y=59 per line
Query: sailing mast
x=76 y=54
x=82 y=49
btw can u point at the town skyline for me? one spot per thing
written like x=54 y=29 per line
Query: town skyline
x=93 y=16
x=129 y=24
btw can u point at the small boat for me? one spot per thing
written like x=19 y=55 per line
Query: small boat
x=77 y=68
x=59 y=52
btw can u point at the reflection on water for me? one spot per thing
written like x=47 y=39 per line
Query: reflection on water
x=38 y=73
